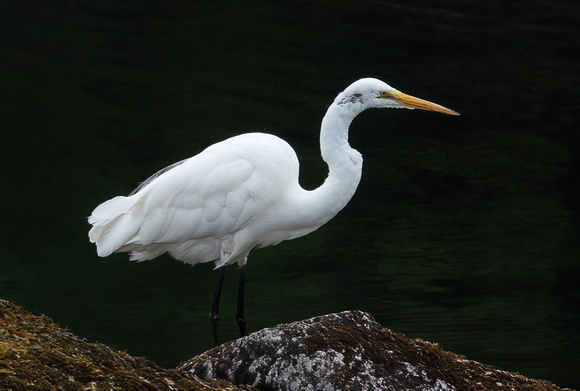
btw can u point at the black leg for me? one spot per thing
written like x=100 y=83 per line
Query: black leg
x=213 y=316
x=241 y=289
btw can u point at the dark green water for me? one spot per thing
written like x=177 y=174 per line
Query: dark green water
x=464 y=230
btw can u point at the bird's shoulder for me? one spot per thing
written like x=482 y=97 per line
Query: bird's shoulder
x=253 y=147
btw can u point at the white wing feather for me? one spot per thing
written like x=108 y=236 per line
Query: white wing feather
x=192 y=208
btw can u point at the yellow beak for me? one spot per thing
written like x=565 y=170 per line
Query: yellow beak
x=416 y=103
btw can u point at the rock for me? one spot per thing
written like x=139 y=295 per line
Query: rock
x=345 y=351
x=348 y=351
x=36 y=354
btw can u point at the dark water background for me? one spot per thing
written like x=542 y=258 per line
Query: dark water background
x=464 y=230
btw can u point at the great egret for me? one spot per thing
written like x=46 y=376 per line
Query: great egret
x=242 y=193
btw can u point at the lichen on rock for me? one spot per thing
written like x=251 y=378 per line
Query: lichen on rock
x=349 y=351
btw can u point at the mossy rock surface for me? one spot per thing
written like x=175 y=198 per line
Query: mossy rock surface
x=37 y=354
x=343 y=351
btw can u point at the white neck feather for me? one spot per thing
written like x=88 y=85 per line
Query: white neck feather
x=318 y=206
x=344 y=162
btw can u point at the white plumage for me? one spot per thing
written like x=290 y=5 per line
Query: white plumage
x=205 y=208
x=242 y=193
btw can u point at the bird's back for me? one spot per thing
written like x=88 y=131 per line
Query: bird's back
x=211 y=206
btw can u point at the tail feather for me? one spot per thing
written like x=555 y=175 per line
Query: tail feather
x=112 y=226
x=110 y=210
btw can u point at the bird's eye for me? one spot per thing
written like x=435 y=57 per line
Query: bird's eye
x=384 y=93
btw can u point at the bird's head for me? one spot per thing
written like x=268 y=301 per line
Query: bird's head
x=374 y=93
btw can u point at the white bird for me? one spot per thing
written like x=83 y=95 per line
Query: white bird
x=242 y=193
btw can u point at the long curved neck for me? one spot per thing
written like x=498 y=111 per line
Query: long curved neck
x=307 y=210
x=344 y=162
